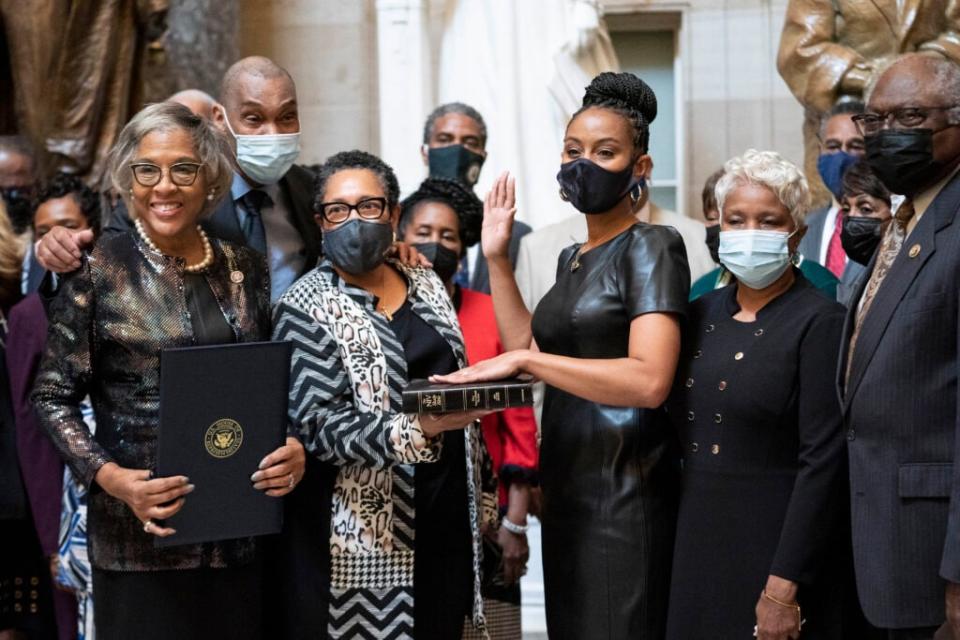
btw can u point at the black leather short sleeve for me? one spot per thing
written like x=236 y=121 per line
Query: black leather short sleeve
x=653 y=274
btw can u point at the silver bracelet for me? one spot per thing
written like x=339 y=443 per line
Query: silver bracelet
x=519 y=529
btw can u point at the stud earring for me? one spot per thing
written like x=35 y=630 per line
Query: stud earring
x=211 y=195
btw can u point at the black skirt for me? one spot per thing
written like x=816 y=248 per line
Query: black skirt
x=200 y=604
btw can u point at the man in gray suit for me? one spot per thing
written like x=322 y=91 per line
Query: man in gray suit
x=898 y=374
x=454 y=146
x=840 y=146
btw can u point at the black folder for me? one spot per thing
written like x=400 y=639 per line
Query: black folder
x=222 y=409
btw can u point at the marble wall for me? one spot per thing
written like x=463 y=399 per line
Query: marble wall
x=330 y=48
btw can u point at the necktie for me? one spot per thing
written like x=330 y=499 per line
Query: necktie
x=253 y=202
x=462 y=276
x=889 y=248
x=836 y=257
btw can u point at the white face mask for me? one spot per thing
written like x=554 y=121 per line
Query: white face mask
x=266 y=158
x=756 y=258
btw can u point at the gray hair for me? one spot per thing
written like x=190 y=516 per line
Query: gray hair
x=208 y=143
x=771 y=170
x=454 y=107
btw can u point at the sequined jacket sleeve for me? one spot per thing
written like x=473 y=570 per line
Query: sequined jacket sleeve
x=65 y=375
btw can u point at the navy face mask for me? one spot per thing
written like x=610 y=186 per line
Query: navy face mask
x=455 y=162
x=592 y=189
x=358 y=246
x=831 y=167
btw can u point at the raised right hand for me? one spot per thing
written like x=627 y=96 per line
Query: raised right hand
x=60 y=249
x=499 y=208
x=436 y=423
x=155 y=499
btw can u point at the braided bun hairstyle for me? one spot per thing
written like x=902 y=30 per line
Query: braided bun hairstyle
x=463 y=201
x=628 y=95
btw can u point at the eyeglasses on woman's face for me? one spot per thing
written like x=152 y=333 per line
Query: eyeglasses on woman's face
x=368 y=209
x=182 y=174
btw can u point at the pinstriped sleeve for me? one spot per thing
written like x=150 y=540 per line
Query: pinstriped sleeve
x=321 y=410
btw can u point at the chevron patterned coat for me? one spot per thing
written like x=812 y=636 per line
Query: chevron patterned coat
x=347 y=375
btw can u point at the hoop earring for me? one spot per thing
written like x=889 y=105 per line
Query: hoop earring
x=635 y=194
x=796 y=259
x=563 y=195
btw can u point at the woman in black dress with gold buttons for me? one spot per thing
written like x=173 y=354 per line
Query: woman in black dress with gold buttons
x=607 y=339
x=759 y=419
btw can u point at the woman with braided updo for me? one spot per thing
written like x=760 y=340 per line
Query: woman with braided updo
x=605 y=340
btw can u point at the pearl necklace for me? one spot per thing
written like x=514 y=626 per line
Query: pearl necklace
x=190 y=268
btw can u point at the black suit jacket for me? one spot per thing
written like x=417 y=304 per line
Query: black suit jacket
x=900 y=412
x=480 y=278
x=224 y=224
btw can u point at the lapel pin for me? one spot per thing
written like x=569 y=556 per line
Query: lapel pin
x=915 y=251
x=236 y=277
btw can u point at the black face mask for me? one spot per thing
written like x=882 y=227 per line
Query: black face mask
x=358 y=246
x=19 y=202
x=860 y=236
x=713 y=242
x=445 y=261
x=591 y=188
x=903 y=159
x=455 y=162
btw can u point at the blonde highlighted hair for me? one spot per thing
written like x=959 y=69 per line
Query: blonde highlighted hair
x=771 y=170
x=11 y=260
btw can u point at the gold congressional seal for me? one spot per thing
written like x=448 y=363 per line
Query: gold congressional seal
x=223 y=438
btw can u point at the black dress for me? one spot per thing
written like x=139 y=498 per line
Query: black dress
x=759 y=419
x=443 y=558
x=609 y=474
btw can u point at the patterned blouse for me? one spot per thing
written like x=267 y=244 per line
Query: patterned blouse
x=347 y=374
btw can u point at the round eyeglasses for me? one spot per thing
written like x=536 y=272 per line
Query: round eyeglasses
x=182 y=174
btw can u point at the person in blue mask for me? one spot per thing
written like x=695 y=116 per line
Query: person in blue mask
x=270 y=203
x=454 y=147
x=754 y=405
x=841 y=146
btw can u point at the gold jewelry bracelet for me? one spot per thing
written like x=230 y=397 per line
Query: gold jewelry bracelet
x=780 y=602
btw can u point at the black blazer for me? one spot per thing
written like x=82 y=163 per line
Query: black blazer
x=901 y=420
x=480 y=278
x=224 y=224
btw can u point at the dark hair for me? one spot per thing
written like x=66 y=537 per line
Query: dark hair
x=356 y=160
x=452 y=193
x=709 y=194
x=62 y=185
x=846 y=107
x=627 y=95
x=860 y=179
x=454 y=107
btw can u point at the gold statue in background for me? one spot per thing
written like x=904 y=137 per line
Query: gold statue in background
x=831 y=49
x=79 y=69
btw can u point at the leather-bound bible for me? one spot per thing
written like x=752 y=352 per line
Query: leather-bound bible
x=222 y=409
x=422 y=396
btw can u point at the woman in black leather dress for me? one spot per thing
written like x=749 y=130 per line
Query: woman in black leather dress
x=164 y=285
x=605 y=340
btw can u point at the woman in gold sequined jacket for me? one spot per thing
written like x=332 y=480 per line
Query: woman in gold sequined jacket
x=163 y=285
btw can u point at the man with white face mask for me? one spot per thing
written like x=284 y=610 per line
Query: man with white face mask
x=269 y=207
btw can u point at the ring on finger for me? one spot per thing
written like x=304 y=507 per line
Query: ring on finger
x=147 y=525
x=292 y=481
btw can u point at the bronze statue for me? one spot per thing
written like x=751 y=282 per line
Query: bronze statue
x=78 y=73
x=831 y=49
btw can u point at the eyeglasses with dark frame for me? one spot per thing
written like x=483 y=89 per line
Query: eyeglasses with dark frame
x=869 y=124
x=182 y=174
x=368 y=209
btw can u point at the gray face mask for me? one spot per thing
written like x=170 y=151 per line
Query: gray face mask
x=358 y=246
